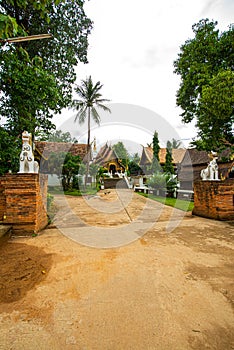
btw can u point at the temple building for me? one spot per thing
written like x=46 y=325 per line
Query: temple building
x=107 y=158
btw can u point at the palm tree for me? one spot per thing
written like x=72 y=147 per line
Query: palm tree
x=90 y=98
x=175 y=143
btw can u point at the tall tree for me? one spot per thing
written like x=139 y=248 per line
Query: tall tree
x=156 y=146
x=202 y=63
x=155 y=167
x=168 y=167
x=86 y=107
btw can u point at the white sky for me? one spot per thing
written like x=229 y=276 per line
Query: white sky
x=132 y=48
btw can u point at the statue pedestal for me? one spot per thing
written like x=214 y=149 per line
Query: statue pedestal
x=214 y=199
x=23 y=199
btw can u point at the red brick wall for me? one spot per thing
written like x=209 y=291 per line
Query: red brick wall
x=23 y=200
x=214 y=199
x=2 y=202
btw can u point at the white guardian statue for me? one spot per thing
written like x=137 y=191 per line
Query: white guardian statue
x=27 y=163
x=211 y=172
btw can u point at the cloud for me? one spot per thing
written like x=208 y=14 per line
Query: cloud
x=151 y=57
x=209 y=6
x=220 y=10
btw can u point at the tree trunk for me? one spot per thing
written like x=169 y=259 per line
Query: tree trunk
x=88 y=149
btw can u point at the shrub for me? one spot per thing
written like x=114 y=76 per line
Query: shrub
x=163 y=181
x=50 y=200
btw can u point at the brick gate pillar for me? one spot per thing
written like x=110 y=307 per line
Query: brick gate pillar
x=214 y=199
x=23 y=199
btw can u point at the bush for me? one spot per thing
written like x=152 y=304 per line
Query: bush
x=50 y=200
x=163 y=181
x=157 y=181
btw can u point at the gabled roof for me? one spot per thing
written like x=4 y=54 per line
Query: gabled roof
x=177 y=155
x=46 y=148
x=195 y=157
x=147 y=155
x=107 y=154
x=103 y=154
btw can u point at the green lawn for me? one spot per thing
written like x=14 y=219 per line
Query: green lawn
x=172 y=202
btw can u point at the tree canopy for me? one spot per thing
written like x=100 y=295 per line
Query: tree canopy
x=10 y=25
x=56 y=136
x=37 y=77
x=122 y=153
x=205 y=65
x=216 y=111
x=174 y=143
x=65 y=166
x=30 y=94
x=90 y=98
x=10 y=148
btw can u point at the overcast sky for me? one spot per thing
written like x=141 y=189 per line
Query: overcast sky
x=133 y=45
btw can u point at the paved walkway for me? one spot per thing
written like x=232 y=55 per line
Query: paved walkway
x=167 y=289
x=113 y=217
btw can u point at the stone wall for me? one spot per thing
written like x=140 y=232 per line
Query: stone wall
x=23 y=199
x=214 y=199
x=115 y=183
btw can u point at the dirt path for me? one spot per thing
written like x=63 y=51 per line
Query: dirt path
x=154 y=290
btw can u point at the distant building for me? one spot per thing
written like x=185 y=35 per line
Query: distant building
x=43 y=151
x=188 y=165
x=147 y=157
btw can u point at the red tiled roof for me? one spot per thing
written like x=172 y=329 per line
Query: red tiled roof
x=147 y=155
x=46 y=148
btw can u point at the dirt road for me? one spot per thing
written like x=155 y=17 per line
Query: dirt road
x=154 y=289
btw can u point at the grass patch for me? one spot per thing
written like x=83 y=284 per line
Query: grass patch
x=72 y=192
x=172 y=202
